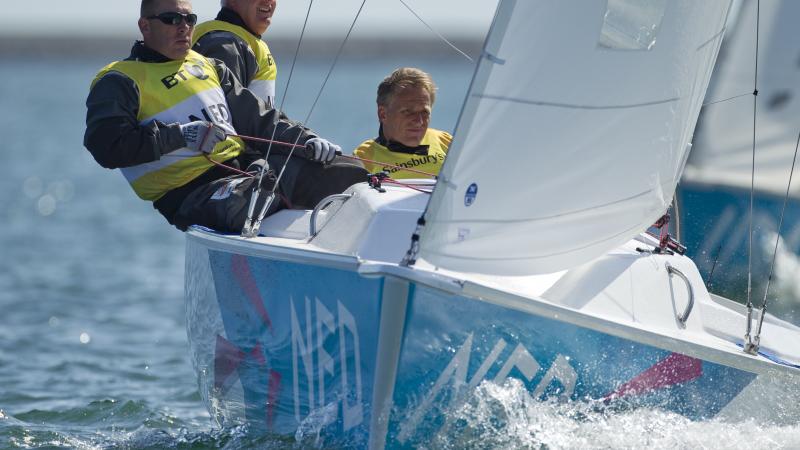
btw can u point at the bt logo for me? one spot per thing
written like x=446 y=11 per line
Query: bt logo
x=193 y=67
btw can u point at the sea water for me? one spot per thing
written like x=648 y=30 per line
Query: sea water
x=93 y=348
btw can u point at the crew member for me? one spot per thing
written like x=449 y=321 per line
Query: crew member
x=405 y=101
x=234 y=38
x=166 y=115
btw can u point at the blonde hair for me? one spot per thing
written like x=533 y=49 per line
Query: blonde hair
x=403 y=78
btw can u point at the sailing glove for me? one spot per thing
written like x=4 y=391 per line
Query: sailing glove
x=322 y=150
x=202 y=136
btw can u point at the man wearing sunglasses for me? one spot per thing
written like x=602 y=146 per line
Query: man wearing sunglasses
x=167 y=118
x=234 y=38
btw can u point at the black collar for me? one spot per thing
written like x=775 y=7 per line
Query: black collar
x=398 y=147
x=143 y=53
x=230 y=16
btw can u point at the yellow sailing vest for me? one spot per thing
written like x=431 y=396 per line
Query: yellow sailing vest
x=176 y=91
x=437 y=141
x=263 y=82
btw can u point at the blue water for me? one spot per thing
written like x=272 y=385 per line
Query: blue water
x=93 y=349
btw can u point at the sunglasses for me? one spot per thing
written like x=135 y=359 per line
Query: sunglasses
x=175 y=18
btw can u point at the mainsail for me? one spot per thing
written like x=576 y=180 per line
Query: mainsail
x=574 y=133
x=723 y=150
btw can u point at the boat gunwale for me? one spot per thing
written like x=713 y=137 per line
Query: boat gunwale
x=448 y=283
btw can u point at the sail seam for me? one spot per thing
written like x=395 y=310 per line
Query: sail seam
x=520 y=258
x=536 y=219
x=572 y=106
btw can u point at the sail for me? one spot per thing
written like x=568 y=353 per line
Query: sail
x=574 y=133
x=723 y=150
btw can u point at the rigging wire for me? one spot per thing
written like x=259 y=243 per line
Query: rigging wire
x=291 y=71
x=726 y=99
x=248 y=229
x=709 y=283
x=749 y=346
x=436 y=32
x=324 y=83
x=251 y=224
x=335 y=61
x=763 y=313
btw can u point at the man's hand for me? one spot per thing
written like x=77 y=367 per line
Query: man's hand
x=322 y=150
x=202 y=136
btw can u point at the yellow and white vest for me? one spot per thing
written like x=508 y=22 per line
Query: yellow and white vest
x=437 y=141
x=263 y=82
x=176 y=91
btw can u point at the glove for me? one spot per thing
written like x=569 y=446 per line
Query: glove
x=322 y=150
x=202 y=136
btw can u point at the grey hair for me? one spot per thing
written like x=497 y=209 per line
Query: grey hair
x=403 y=78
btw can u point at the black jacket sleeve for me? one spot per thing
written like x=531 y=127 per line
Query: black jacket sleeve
x=251 y=116
x=113 y=134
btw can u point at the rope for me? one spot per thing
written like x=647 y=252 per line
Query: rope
x=286 y=200
x=271 y=141
x=232 y=169
x=393 y=166
x=268 y=141
x=407 y=185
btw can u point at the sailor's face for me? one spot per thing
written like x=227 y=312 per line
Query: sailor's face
x=172 y=41
x=406 y=117
x=256 y=14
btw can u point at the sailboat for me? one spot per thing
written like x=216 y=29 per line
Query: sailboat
x=730 y=158
x=362 y=322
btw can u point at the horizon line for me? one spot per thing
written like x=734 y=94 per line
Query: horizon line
x=360 y=46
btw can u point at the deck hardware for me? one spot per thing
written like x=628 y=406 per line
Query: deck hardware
x=312 y=223
x=666 y=243
x=682 y=318
x=375 y=180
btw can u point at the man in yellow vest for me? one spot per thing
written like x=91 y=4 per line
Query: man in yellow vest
x=167 y=118
x=234 y=38
x=405 y=101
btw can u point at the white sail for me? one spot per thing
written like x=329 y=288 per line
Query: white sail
x=723 y=150
x=574 y=133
